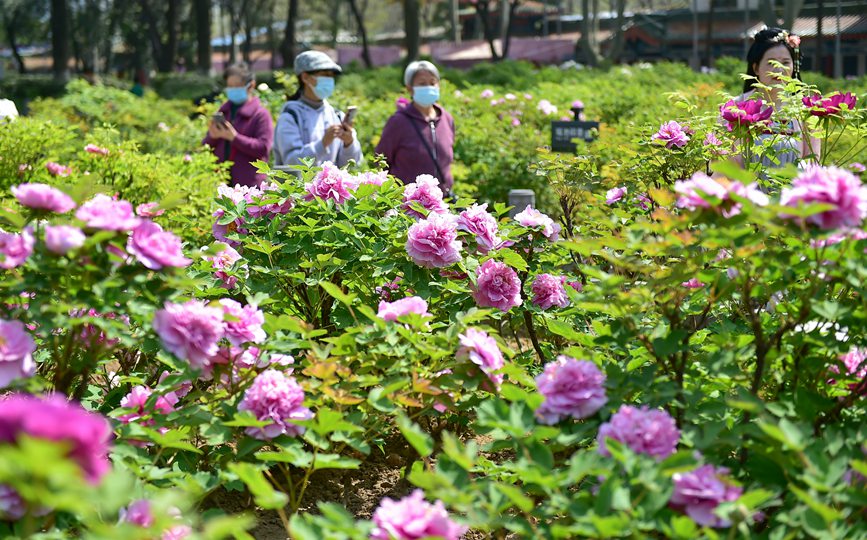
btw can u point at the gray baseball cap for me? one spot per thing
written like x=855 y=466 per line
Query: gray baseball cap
x=415 y=67
x=315 y=61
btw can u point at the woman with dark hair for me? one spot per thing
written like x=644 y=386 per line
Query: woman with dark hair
x=773 y=57
x=242 y=129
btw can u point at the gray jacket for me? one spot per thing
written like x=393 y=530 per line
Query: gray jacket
x=299 y=132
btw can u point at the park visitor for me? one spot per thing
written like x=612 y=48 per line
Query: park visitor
x=308 y=125
x=242 y=130
x=419 y=138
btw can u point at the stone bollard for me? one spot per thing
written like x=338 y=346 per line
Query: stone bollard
x=519 y=199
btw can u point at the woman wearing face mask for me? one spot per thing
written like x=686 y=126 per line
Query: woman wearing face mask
x=774 y=56
x=242 y=130
x=419 y=138
x=308 y=126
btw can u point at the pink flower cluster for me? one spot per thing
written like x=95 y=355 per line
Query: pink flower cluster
x=413 y=518
x=390 y=311
x=140 y=513
x=831 y=105
x=672 y=135
x=571 y=387
x=330 y=183
x=16 y=349
x=43 y=197
x=94 y=149
x=745 y=113
x=258 y=209
x=644 y=431
x=549 y=291
x=700 y=190
x=15 y=248
x=533 y=218
x=615 y=194
x=497 y=285
x=103 y=212
x=828 y=185
x=482 y=350
x=156 y=248
x=61 y=239
x=426 y=192
x=222 y=261
x=477 y=221
x=136 y=401
x=697 y=493
x=86 y=435
x=433 y=242
x=191 y=331
x=56 y=169
x=276 y=398
x=243 y=323
x=149 y=210
x=855 y=366
x=546 y=108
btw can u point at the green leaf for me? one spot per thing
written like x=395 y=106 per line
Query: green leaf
x=335 y=292
x=517 y=496
x=512 y=258
x=334 y=461
x=564 y=329
x=421 y=441
x=263 y=492
x=827 y=513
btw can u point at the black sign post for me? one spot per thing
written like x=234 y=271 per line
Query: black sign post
x=562 y=134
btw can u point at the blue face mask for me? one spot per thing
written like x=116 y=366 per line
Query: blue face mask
x=425 y=95
x=237 y=94
x=324 y=87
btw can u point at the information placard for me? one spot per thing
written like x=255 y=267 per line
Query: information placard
x=562 y=134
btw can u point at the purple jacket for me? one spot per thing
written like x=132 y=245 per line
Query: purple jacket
x=405 y=152
x=253 y=142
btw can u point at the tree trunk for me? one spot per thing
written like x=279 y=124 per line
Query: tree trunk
x=506 y=39
x=287 y=47
x=362 y=31
x=708 y=38
x=411 y=28
x=820 y=38
x=10 y=25
x=202 y=15
x=60 y=39
x=483 y=17
x=586 y=44
x=172 y=29
x=248 y=39
x=618 y=42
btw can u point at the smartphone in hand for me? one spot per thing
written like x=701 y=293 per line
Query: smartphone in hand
x=218 y=118
x=351 y=111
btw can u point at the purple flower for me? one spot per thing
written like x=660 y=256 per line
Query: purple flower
x=433 y=242
x=477 y=221
x=282 y=207
x=103 y=212
x=615 y=194
x=855 y=366
x=12 y=506
x=156 y=248
x=85 y=435
x=401 y=102
x=497 y=285
x=278 y=399
x=94 y=149
x=697 y=493
x=826 y=106
x=426 y=192
x=672 y=134
x=222 y=261
x=56 y=169
x=43 y=197
x=645 y=431
x=138 y=513
x=745 y=113
x=191 y=330
x=15 y=248
x=577 y=104
x=244 y=323
x=548 y=291
x=693 y=283
x=61 y=239
x=482 y=350
x=571 y=387
x=390 y=311
x=832 y=186
x=531 y=217
x=546 y=108
x=149 y=210
x=16 y=348
x=487 y=93
x=413 y=518
x=137 y=400
x=643 y=201
x=857 y=168
x=371 y=177
x=695 y=192
x=329 y=183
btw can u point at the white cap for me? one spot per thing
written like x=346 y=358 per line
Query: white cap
x=415 y=67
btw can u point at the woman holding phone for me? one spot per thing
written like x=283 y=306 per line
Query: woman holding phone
x=419 y=138
x=242 y=130
x=308 y=126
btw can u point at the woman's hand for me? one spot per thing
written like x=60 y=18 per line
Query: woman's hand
x=346 y=135
x=331 y=133
x=224 y=130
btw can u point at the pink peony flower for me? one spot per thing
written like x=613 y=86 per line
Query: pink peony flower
x=531 y=217
x=697 y=493
x=515 y=122
x=857 y=168
x=103 y=212
x=401 y=102
x=85 y=435
x=243 y=323
x=855 y=365
x=695 y=192
x=373 y=178
x=497 y=285
x=390 y=311
x=643 y=201
x=91 y=334
x=138 y=513
x=433 y=242
x=15 y=249
x=257 y=209
x=482 y=350
x=329 y=183
x=43 y=197
x=276 y=398
x=510 y=97
x=577 y=285
x=94 y=149
x=693 y=283
x=615 y=194
x=827 y=106
x=137 y=400
x=644 y=431
x=190 y=330
x=745 y=113
x=61 y=239
x=828 y=185
x=222 y=261
x=156 y=248
x=426 y=192
x=149 y=210
x=672 y=135
x=487 y=93
x=571 y=387
x=56 y=169
x=16 y=348
x=577 y=104
x=477 y=221
x=546 y=108
x=413 y=518
x=548 y=291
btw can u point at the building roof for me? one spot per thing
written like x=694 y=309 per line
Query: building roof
x=806 y=26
